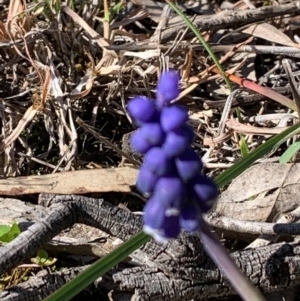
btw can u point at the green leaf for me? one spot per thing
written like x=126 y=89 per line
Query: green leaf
x=43 y=258
x=42 y=255
x=4 y=229
x=289 y=153
x=117 y=8
x=109 y=15
x=9 y=233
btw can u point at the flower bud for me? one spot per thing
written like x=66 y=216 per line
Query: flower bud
x=141 y=109
x=139 y=142
x=160 y=222
x=157 y=161
x=204 y=191
x=173 y=117
x=146 y=181
x=189 y=217
x=188 y=164
x=167 y=88
x=153 y=133
x=170 y=190
x=154 y=213
x=178 y=141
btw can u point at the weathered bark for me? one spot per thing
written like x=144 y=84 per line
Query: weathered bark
x=179 y=271
x=271 y=269
x=39 y=286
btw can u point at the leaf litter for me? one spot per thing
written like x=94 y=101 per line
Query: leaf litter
x=67 y=74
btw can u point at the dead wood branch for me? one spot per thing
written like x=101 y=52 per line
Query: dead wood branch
x=179 y=271
x=229 y=18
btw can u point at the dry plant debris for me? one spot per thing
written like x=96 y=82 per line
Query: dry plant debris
x=66 y=74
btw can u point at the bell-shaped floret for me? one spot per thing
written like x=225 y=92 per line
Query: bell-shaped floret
x=204 y=191
x=146 y=181
x=188 y=164
x=171 y=228
x=167 y=88
x=157 y=161
x=178 y=141
x=139 y=142
x=141 y=109
x=153 y=133
x=173 y=117
x=159 y=222
x=154 y=213
x=170 y=190
x=190 y=217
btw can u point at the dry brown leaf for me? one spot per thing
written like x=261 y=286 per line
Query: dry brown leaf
x=87 y=81
x=138 y=14
x=209 y=141
x=3 y=34
x=94 y=34
x=154 y=8
x=145 y=55
x=46 y=84
x=186 y=67
x=261 y=193
x=202 y=114
x=38 y=105
x=28 y=116
x=15 y=8
x=73 y=182
x=270 y=33
x=253 y=130
x=108 y=70
x=16 y=21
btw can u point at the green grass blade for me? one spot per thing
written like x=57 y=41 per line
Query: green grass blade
x=289 y=153
x=98 y=268
x=244 y=147
x=239 y=167
x=201 y=39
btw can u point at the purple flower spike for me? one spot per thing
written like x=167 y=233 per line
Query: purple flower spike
x=167 y=88
x=170 y=191
x=157 y=161
x=141 y=109
x=139 y=142
x=146 y=181
x=173 y=117
x=178 y=141
x=170 y=174
x=189 y=218
x=204 y=191
x=188 y=164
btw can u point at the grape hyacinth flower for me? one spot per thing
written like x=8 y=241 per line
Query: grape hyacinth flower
x=171 y=173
